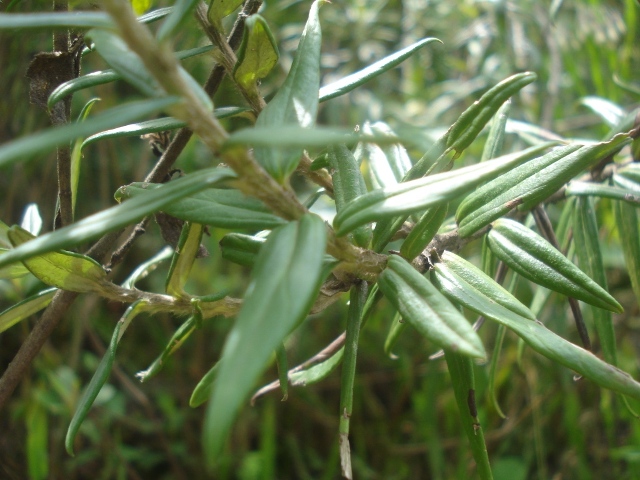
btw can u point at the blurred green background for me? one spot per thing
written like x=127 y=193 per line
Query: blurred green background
x=405 y=424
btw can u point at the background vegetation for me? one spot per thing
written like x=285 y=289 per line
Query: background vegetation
x=405 y=422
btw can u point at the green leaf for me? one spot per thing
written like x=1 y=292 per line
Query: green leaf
x=296 y=102
x=397 y=327
x=423 y=231
x=495 y=140
x=203 y=389
x=240 y=248
x=258 y=53
x=179 y=337
x=416 y=195
x=23 y=21
x=293 y=136
x=119 y=216
x=218 y=9
x=101 y=77
x=284 y=285
x=536 y=259
x=461 y=370
x=390 y=163
x=145 y=268
x=427 y=310
x=536 y=335
x=14 y=270
x=216 y=207
x=464 y=131
x=627 y=222
x=350 y=82
x=585 y=237
x=4 y=239
x=27 y=307
x=26 y=147
x=531 y=183
x=65 y=270
x=180 y=12
x=123 y=60
x=348 y=185
x=611 y=113
x=101 y=374
x=129 y=65
x=583 y=189
x=156 y=125
x=185 y=255
x=478 y=280
x=318 y=372
x=76 y=154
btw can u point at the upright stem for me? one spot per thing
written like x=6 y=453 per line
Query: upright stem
x=59 y=116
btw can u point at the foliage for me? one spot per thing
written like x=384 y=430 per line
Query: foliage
x=493 y=174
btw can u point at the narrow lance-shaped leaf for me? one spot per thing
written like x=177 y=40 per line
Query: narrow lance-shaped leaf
x=495 y=139
x=27 y=307
x=285 y=282
x=65 y=270
x=101 y=77
x=413 y=196
x=423 y=231
x=461 y=370
x=296 y=101
x=217 y=207
x=258 y=53
x=427 y=310
x=477 y=279
x=398 y=325
x=584 y=189
x=52 y=20
x=183 y=258
x=202 y=391
x=26 y=147
x=585 y=237
x=179 y=337
x=536 y=259
x=123 y=60
x=465 y=130
x=533 y=332
x=387 y=164
x=351 y=82
x=101 y=374
x=156 y=125
x=240 y=248
x=297 y=136
x=128 y=64
x=532 y=183
x=318 y=372
x=75 y=19
x=76 y=155
x=181 y=11
x=387 y=227
x=14 y=270
x=145 y=268
x=627 y=222
x=348 y=185
x=116 y=217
